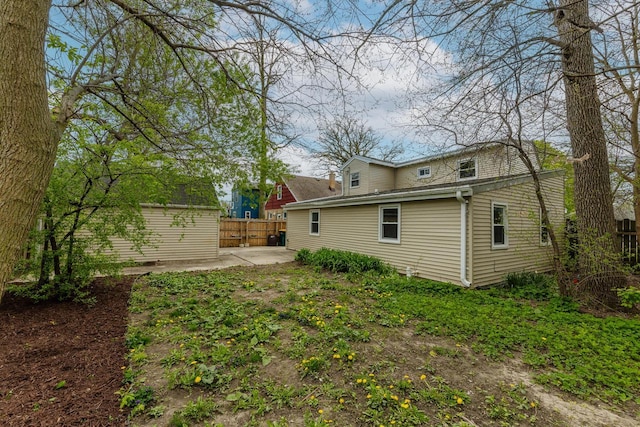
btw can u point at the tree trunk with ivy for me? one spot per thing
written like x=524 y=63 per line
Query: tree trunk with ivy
x=28 y=135
x=599 y=263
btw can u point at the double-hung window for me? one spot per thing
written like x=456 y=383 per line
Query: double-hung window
x=314 y=223
x=467 y=169
x=355 y=179
x=424 y=172
x=499 y=226
x=279 y=192
x=389 y=220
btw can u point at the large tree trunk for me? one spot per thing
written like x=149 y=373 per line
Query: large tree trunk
x=28 y=136
x=598 y=260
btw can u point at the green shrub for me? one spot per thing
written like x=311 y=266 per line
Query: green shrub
x=343 y=261
x=529 y=285
x=303 y=256
x=629 y=296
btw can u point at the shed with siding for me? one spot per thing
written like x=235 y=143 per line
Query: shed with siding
x=179 y=233
x=471 y=231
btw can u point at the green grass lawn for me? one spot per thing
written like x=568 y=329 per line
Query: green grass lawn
x=295 y=345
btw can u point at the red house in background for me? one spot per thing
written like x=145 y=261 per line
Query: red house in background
x=299 y=188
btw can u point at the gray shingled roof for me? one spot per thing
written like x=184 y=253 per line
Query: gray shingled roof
x=308 y=188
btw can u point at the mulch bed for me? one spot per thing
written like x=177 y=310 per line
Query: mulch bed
x=60 y=363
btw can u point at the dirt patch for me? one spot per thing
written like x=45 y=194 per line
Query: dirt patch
x=60 y=363
x=576 y=413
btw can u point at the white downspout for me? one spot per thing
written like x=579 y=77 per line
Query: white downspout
x=463 y=239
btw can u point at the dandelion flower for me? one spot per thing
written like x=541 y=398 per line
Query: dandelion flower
x=459 y=401
x=320 y=411
x=197 y=380
x=336 y=356
x=423 y=377
x=341 y=401
x=405 y=405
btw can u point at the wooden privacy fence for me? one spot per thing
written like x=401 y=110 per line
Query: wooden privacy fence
x=252 y=232
x=628 y=241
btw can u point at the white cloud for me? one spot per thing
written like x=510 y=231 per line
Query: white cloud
x=376 y=85
x=302 y=162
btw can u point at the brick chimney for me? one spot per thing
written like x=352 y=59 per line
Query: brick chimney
x=332 y=181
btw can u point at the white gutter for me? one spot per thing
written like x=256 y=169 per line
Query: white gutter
x=463 y=239
x=395 y=197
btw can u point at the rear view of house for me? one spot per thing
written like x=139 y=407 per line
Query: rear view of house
x=467 y=217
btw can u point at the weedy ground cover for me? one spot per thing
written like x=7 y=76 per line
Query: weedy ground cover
x=295 y=345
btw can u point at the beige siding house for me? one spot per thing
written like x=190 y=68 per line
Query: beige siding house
x=469 y=217
x=195 y=238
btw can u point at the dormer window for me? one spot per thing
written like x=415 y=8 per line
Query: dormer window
x=424 y=172
x=355 y=179
x=467 y=169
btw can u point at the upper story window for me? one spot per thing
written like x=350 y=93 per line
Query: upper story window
x=424 y=172
x=314 y=223
x=279 y=192
x=389 y=224
x=467 y=169
x=499 y=226
x=355 y=179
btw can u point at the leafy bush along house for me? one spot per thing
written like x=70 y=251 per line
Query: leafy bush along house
x=468 y=217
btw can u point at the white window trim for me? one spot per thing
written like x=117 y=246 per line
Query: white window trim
x=506 y=225
x=542 y=242
x=351 y=179
x=475 y=168
x=311 y=212
x=270 y=215
x=423 y=168
x=284 y=215
x=279 y=192
x=387 y=239
x=247 y=214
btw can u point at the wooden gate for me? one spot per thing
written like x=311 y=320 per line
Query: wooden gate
x=252 y=232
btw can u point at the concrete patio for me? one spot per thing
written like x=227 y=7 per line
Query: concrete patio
x=229 y=257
